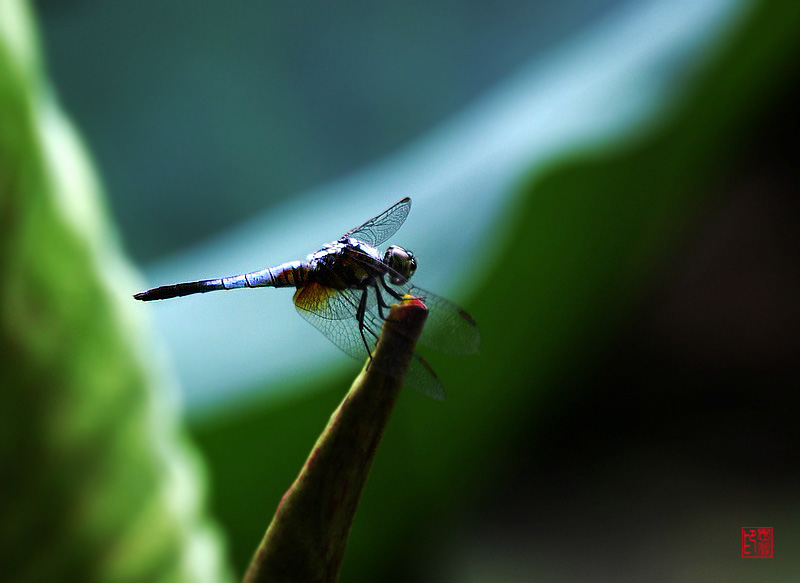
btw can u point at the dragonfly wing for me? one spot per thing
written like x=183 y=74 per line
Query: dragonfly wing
x=333 y=312
x=421 y=378
x=449 y=328
x=377 y=230
x=326 y=302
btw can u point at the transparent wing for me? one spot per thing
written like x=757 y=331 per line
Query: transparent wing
x=333 y=312
x=449 y=328
x=421 y=378
x=377 y=230
x=326 y=302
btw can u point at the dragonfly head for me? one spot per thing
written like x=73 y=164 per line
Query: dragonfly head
x=402 y=262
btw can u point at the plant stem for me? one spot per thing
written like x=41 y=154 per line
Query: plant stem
x=308 y=534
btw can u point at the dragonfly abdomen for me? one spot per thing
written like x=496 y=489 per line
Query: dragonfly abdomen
x=291 y=274
x=177 y=290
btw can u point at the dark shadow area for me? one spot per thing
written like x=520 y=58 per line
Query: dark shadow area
x=688 y=428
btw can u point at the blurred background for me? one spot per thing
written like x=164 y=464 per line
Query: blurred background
x=607 y=186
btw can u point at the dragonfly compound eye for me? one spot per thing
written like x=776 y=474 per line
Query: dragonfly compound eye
x=402 y=261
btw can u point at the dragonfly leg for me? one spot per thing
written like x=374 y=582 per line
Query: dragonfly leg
x=382 y=305
x=392 y=293
x=362 y=308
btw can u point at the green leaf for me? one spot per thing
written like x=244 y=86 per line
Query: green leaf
x=96 y=478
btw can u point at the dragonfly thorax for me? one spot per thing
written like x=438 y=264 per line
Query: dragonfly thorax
x=341 y=245
x=346 y=263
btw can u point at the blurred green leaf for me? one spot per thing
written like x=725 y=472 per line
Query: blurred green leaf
x=97 y=481
x=586 y=236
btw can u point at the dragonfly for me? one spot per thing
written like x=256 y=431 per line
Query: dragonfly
x=345 y=290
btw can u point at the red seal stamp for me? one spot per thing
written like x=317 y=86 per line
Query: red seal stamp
x=757 y=542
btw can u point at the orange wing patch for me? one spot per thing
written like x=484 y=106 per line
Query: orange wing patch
x=314 y=298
